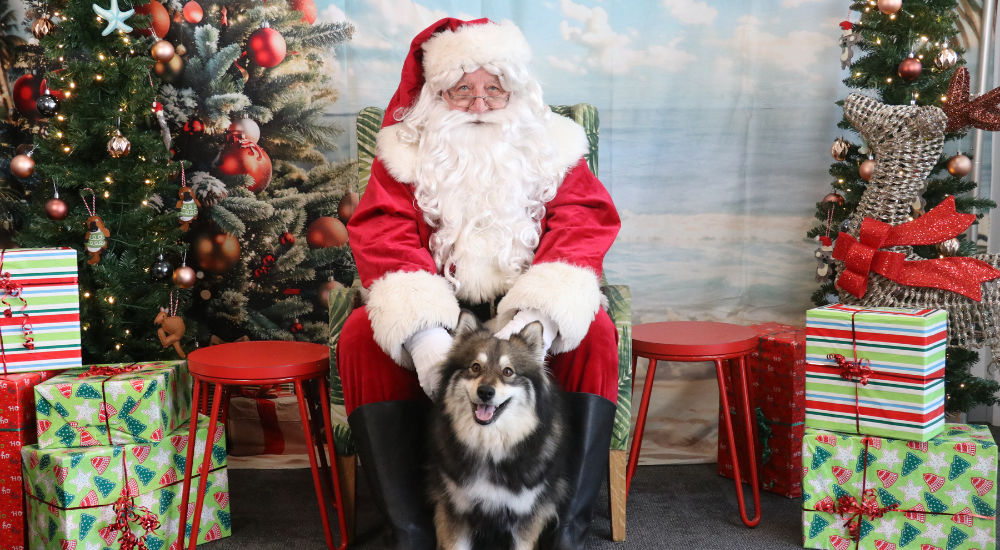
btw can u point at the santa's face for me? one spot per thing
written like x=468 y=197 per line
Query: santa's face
x=482 y=87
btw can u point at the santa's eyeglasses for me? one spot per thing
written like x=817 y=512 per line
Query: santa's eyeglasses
x=492 y=101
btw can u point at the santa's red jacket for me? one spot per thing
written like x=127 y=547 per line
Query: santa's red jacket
x=389 y=238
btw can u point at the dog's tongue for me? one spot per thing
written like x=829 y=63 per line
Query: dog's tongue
x=485 y=412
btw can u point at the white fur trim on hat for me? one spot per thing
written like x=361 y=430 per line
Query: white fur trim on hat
x=400 y=159
x=404 y=302
x=472 y=46
x=569 y=295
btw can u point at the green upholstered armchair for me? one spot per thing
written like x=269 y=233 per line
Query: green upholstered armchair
x=343 y=301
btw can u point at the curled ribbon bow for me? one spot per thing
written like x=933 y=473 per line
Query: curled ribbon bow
x=96 y=370
x=850 y=509
x=125 y=512
x=854 y=371
x=862 y=256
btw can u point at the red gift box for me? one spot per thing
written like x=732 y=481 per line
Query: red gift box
x=265 y=421
x=777 y=372
x=17 y=428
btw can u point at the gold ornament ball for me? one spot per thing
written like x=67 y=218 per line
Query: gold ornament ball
x=184 y=277
x=839 y=149
x=162 y=51
x=867 y=169
x=889 y=7
x=217 y=253
x=833 y=199
x=945 y=59
x=326 y=232
x=22 y=166
x=910 y=69
x=324 y=292
x=959 y=166
x=41 y=27
x=948 y=248
x=119 y=146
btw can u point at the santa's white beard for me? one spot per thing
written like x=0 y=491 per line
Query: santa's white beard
x=482 y=183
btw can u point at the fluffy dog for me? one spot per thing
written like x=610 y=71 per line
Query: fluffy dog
x=497 y=441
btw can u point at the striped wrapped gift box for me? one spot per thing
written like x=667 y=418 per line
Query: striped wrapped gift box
x=905 y=349
x=47 y=278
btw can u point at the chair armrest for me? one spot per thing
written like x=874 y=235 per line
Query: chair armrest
x=620 y=310
x=342 y=302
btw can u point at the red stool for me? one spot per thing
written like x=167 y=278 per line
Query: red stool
x=264 y=363
x=693 y=341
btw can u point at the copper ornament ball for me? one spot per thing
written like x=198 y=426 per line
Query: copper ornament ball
x=910 y=69
x=119 y=146
x=216 y=253
x=22 y=166
x=184 y=277
x=959 y=166
x=889 y=7
x=41 y=27
x=193 y=12
x=867 y=169
x=56 y=209
x=324 y=292
x=945 y=59
x=169 y=71
x=347 y=205
x=839 y=149
x=326 y=232
x=833 y=199
x=949 y=247
x=162 y=51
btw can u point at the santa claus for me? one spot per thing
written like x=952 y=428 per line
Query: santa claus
x=479 y=197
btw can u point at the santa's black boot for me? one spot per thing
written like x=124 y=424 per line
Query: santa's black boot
x=590 y=419
x=390 y=438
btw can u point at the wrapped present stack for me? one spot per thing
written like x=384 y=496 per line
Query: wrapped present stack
x=778 y=374
x=109 y=463
x=265 y=420
x=881 y=469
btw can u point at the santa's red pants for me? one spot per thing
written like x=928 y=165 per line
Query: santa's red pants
x=370 y=376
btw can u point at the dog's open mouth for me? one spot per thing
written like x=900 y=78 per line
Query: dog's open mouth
x=486 y=414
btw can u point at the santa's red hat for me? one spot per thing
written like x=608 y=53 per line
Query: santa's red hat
x=442 y=52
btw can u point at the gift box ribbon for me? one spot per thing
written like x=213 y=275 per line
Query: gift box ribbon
x=110 y=372
x=12 y=289
x=862 y=256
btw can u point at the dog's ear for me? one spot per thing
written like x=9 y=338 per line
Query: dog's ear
x=531 y=335
x=467 y=323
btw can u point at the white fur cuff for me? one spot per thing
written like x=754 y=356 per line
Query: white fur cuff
x=567 y=294
x=402 y=303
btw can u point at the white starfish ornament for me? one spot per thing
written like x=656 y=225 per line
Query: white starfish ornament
x=114 y=16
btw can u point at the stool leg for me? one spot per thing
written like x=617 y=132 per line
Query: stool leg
x=188 y=464
x=749 y=424
x=206 y=465
x=300 y=394
x=635 y=359
x=640 y=424
x=738 y=392
x=338 y=499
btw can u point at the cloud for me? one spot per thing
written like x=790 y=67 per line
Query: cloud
x=795 y=3
x=796 y=52
x=566 y=65
x=609 y=51
x=692 y=12
x=362 y=38
x=399 y=15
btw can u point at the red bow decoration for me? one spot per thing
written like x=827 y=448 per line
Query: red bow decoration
x=981 y=112
x=957 y=274
x=849 y=508
x=13 y=289
x=854 y=371
x=96 y=370
x=125 y=512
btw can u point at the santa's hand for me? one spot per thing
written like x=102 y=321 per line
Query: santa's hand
x=525 y=317
x=428 y=349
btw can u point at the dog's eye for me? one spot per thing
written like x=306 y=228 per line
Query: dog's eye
x=476 y=367
x=508 y=371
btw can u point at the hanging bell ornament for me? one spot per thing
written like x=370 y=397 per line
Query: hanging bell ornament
x=162 y=51
x=867 y=169
x=910 y=68
x=297 y=326
x=41 y=27
x=959 y=165
x=948 y=248
x=23 y=166
x=946 y=58
x=839 y=149
x=47 y=104
x=118 y=146
x=833 y=200
x=161 y=268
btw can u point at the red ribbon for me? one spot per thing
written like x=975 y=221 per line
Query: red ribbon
x=12 y=289
x=126 y=512
x=854 y=371
x=98 y=370
x=862 y=256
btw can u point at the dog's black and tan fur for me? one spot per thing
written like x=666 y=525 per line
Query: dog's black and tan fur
x=497 y=439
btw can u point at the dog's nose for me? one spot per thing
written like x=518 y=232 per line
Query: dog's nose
x=486 y=393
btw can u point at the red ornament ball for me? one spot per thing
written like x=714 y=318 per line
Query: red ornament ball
x=910 y=69
x=56 y=209
x=242 y=156
x=266 y=47
x=161 y=19
x=194 y=127
x=25 y=95
x=347 y=205
x=307 y=7
x=59 y=94
x=326 y=232
x=959 y=165
x=287 y=239
x=297 y=326
x=216 y=253
x=193 y=12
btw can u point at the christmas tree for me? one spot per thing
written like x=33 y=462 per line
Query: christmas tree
x=99 y=144
x=910 y=53
x=249 y=100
